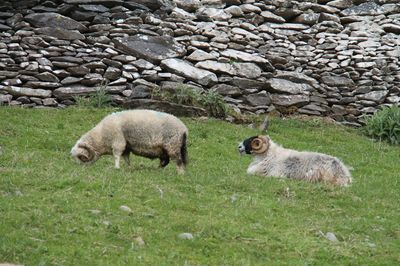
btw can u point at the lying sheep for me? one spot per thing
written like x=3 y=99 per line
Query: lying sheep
x=271 y=159
x=145 y=133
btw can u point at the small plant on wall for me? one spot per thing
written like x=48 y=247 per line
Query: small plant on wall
x=214 y=103
x=98 y=99
x=210 y=100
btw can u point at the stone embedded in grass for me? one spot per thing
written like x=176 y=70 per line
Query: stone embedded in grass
x=234 y=198
x=95 y=211
x=139 y=240
x=107 y=223
x=331 y=237
x=125 y=209
x=186 y=236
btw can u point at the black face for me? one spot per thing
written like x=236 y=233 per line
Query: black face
x=245 y=146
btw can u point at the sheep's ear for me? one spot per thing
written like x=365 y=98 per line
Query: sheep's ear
x=260 y=144
x=86 y=154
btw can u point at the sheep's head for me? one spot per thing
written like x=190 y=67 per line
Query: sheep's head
x=254 y=145
x=84 y=153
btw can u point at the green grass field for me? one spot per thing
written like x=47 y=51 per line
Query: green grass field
x=54 y=211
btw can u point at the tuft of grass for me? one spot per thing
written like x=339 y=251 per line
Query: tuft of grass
x=55 y=211
x=384 y=125
x=214 y=104
x=98 y=99
x=210 y=100
x=182 y=94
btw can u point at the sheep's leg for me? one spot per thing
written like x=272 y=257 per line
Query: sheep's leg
x=117 y=158
x=125 y=155
x=176 y=156
x=180 y=169
x=180 y=166
x=164 y=159
x=118 y=150
x=126 y=159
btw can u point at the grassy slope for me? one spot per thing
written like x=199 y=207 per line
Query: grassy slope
x=46 y=199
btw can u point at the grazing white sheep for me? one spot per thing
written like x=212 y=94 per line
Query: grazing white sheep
x=145 y=133
x=271 y=159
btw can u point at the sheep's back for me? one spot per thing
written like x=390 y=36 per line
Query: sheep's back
x=146 y=127
x=311 y=165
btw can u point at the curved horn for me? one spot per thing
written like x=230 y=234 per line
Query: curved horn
x=260 y=144
x=86 y=153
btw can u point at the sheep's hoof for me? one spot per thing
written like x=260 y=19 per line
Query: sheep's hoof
x=163 y=163
x=181 y=171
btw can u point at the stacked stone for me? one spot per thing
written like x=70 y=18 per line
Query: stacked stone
x=338 y=58
x=50 y=65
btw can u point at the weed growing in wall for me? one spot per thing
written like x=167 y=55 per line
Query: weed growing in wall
x=214 y=103
x=384 y=125
x=210 y=100
x=98 y=99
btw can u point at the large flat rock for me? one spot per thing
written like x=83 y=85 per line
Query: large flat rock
x=185 y=69
x=290 y=100
x=22 y=91
x=244 y=83
x=243 y=56
x=247 y=57
x=153 y=4
x=364 y=9
x=376 y=96
x=104 y=2
x=65 y=93
x=54 y=20
x=69 y=92
x=337 y=81
x=60 y=33
x=152 y=48
x=169 y=107
x=296 y=77
x=247 y=70
x=288 y=87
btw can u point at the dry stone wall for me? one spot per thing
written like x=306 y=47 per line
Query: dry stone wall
x=335 y=58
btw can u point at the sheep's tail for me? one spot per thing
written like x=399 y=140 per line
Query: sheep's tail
x=184 y=153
